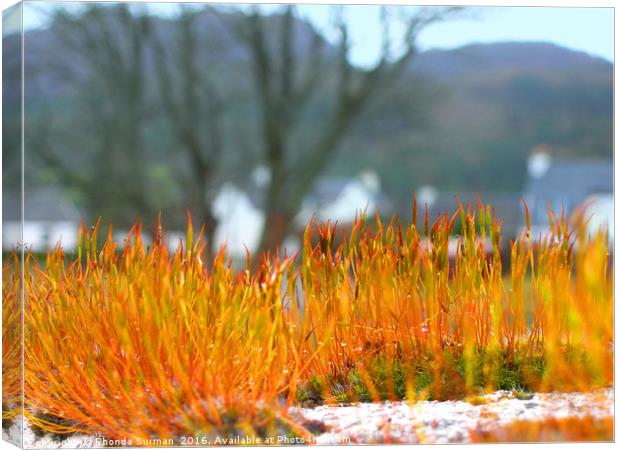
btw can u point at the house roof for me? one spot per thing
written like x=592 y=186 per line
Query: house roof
x=327 y=189
x=324 y=191
x=580 y=177
x=567 y=184
x=41 y=205
x=506 y=205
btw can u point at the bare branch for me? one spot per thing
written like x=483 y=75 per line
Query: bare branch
x=281 y=104
x=344 y=49
x=385 y=25
x=195 y=110
x=313 y=70
x=287 y=66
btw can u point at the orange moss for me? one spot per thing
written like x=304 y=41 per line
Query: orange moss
x=11 y=340
x=139 y=342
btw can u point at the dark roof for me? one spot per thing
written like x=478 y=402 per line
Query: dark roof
x=567 y=183
x=326 y=190
x=48 y=205
x=504 y=204
x=579 y=176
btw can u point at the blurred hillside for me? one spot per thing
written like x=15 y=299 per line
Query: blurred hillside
x=462 y=119
x=490 y=105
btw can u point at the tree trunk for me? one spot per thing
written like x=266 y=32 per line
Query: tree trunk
x=210 y=223
x=202 y=217
x=277 y=225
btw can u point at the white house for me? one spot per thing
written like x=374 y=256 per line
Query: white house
x=240 y=222
x=342 y=199
x=568 y=184
x=599 y=210
x=49 y=218
x=241 y=218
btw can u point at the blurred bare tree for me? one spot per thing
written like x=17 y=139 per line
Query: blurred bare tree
x=105 y=49
x=195 y=111
x=156 y=93
x=286 y=80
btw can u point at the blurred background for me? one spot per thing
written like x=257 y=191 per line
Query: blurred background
x=257 y=118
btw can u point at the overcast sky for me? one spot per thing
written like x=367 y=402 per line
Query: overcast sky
x=586 y=29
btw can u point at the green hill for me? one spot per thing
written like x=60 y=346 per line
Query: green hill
x=488 y=106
